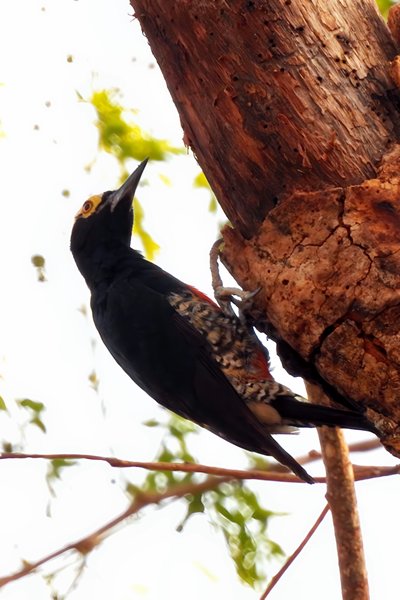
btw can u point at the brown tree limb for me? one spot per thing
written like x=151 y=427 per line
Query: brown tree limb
x=343 y=504
x=295 y=554
x=360 y=472
x=342 y=501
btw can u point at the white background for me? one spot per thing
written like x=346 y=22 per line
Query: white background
x=48 y=348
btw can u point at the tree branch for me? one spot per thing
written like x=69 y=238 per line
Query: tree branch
x=363 y=446
x=360 y=472
x=87 y=543
x=295 y=554
x=342 y=501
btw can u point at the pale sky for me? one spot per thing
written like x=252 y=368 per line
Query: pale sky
x=48 y=349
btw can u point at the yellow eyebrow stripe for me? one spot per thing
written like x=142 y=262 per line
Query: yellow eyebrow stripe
x=92 y=204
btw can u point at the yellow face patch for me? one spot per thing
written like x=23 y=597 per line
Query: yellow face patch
x=89 y=207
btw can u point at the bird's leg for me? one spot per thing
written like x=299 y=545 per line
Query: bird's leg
x=224 y=300
x=226 y=296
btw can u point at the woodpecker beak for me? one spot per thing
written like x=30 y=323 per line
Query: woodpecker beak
x=128 y=189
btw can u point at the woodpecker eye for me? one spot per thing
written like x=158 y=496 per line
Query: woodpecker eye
x=87 y=207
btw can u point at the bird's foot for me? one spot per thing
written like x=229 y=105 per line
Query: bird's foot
x=237 y=296
x=226 y=296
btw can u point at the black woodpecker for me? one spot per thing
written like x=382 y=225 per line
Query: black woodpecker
x=179 y=346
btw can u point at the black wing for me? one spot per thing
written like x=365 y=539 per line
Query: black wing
x=168 y=358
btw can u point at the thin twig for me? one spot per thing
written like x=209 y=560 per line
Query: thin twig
x=87 y=543
x=363 y=446
x=295 y=554
x=360 y=472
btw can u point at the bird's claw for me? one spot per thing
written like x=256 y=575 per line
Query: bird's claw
x=226 y=296
x=233 y=293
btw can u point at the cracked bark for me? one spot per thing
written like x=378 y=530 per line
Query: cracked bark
x=289 y=107
x=340 y=263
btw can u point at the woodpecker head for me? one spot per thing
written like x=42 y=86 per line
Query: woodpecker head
x=103 y=226
x=106 y=218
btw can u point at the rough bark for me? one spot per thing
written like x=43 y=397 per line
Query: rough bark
x=276 y=96
x=332 y=286
x=289 y=106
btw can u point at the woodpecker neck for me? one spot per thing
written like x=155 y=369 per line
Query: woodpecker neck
x=102 y=264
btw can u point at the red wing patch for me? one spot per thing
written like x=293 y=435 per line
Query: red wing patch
x=256 y=355
x=197 y=292
x=261 y=365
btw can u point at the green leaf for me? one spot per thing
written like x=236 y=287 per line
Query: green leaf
x=384 y=6
x=150 y=246
x=54 y=470
x=165 y=179
x=195 y=505
x=235 y=509
x=2 y=404
x=120 y=135
x=36 y=407
x=151 y=423
x=200 y=181
x=213 y=205
x=132 y=490
x=181 y=425
x=55 y=467
x=39 y=423
x=258 y=462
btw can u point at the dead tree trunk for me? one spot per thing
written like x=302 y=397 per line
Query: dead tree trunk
x=290 y=108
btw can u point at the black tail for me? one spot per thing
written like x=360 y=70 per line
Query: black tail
x=275 y=450
x=303 y=414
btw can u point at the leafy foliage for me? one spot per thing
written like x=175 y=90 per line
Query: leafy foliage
x=29 y=414
x=232 y=508
x=235 y=509
x=200 y=181
x=54 y=470
x=150 y=246
x=35 y=409
x=121 y=136
x=384 y=6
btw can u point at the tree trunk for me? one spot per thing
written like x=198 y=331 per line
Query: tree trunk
x=289 y=107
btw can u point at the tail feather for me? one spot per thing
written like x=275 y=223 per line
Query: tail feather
x=303 y=414
x=275 y=450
